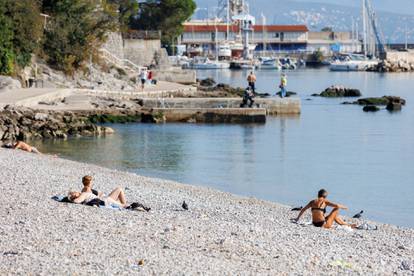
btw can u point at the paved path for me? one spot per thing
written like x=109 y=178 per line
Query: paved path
x=32 y=96
x=162 y=89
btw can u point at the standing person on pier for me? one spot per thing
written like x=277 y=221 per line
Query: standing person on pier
x=251 y=79
x=143 y=76
x=283 y=84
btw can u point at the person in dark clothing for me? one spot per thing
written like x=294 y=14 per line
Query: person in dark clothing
x=248 y=98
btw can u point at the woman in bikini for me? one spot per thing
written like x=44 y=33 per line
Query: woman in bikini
x=318 y=208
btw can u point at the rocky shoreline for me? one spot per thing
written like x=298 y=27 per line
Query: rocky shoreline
x=25 y=123
x=220 y=234
x=387 y=66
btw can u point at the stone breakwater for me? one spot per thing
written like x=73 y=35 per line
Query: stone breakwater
x=24 y=123
x=220 y=234
x=393 y=66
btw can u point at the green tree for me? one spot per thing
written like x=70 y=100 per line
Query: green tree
x=317 y=56
x=6 y=41
x=77 y=29
x=166 y=16
x=20 y=33
x=327 y=29
x=127 y=9
x=27 y=28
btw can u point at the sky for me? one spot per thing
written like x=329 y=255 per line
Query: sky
x=397 y=6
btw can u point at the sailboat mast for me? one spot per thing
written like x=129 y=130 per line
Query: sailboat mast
x=364 y=27
x=406 y=37
x=228 y=19
x=264 y=34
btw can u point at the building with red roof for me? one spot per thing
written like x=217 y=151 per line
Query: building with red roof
x=206 y=34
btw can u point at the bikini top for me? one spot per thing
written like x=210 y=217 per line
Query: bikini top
x=319 y=209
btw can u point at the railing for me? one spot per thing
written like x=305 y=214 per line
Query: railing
x=146 y=35
x=121 y=62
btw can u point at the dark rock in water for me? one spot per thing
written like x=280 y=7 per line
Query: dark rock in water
x=315 y=95
x=348 y=103
x=385 y=100
x=395 y=99
x=208 y=82
x=288 y=94
x=371 y=108
x=373 y=101
x=339 y=92
x=238 y=91
x=394 y=106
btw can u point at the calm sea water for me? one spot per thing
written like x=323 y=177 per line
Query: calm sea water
x=365 y=160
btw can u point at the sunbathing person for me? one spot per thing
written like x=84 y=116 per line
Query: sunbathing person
x=116 y=197
x=26 y=147
x=318 y=208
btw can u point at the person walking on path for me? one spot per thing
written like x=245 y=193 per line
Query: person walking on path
x=251 y=79
x=282 y=86
x=143 y=76
x=150 y=77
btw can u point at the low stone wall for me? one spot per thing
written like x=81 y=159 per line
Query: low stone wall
x=176 y=75
x=273 y=106
x=180 y=92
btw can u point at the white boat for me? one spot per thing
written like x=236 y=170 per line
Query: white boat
x=247 y=66
x=288 y=63
x=352 y=62
x=224 y=51
x=194 y=51
x=205 y=64
x=237 y=48
x=268 y=63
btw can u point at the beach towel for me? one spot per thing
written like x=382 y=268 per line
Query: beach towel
x=366 y=226
x=61 y=198
x=135 y=206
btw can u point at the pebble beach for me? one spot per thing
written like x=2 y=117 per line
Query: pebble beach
x=220 y=234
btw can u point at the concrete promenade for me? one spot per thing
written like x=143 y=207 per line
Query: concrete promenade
x=32 y=96
x=27 y=97
x=177 y=102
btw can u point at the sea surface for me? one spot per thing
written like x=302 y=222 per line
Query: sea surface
x=364 y=160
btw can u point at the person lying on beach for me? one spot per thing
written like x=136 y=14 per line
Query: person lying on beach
x=318 y=208
x=22 y=146
x=116 y=197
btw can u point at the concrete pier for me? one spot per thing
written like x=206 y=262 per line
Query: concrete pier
x=273 y=106
x=207 y=115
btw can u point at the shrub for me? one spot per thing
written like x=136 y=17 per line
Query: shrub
x=77 y=30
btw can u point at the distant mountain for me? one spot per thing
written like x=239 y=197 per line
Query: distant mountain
x=396 y=6
x=317 y=15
